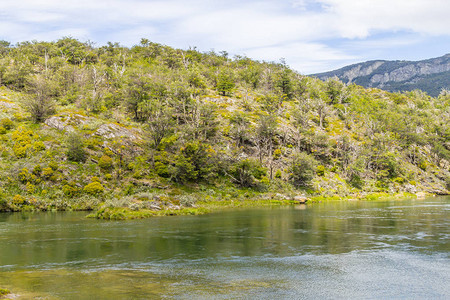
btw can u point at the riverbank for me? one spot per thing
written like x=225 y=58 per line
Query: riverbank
x=178 y=202
x=4 y=293
x=110 y=212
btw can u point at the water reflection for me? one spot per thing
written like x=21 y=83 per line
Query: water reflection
x=229 y=249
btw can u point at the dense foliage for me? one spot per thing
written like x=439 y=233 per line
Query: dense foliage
x=97 y=123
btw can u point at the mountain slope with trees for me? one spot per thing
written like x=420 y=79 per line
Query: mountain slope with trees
x=431 y=75
x=153 y=128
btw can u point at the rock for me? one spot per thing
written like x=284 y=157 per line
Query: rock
x=7 y=104
x=111 y=131
x=410 y=188
x=421 y=195
x=66 y=121
x=281 y=196
x=154 y=207
x=300 y=199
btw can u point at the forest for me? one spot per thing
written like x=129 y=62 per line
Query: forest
x=150 y=129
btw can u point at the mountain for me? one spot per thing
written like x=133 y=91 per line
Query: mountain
x=431 y=75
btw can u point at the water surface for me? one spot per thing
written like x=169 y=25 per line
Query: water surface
x=371 y=250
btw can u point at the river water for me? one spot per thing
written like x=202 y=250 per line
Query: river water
x=335 y=250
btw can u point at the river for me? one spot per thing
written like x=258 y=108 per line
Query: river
x=334 y=250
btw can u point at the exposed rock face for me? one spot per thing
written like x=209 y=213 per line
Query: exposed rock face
x=430 y=75
x=7 y=104
x=111 y=131
x=66 y=122
x=69 y=122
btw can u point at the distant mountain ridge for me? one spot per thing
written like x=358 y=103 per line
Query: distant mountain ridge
x=430 y=75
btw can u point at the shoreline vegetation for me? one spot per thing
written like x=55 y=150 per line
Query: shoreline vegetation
x=157 y=206
x=148 y=130
x=204 y=207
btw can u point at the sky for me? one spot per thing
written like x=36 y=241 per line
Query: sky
x=310 y=35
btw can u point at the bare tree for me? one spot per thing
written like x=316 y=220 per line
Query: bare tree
x=39 y=103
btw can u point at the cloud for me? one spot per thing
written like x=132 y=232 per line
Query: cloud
x=261 y=28
x=304 y=57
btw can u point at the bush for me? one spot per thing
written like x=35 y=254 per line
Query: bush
x=38 y=146
x=94 y=188
x=4 y=292
x=30 y=188
x=47 y=172
x=247 y=171
x=105 y=163
x=24 y=175
x=7 y=124
x=278 y=174
x=18 y=200
x=75 y=149
x=302 y=168
x=70 y=190
x=320 y=171
x=54 y=165
x=37 y=170
x=194 y=162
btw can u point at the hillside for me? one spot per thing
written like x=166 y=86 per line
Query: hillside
x=431 y=75
x=153 y=130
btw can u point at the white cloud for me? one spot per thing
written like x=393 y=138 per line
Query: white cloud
x=304 y=57
x=267 y=29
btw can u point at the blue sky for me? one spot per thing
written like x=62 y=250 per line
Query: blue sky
x=311 y=35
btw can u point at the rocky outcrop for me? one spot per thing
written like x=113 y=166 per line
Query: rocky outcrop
x=112 y=131
x=430 y=75
x=67 y=122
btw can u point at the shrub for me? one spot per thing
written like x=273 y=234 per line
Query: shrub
x=245 y=172
x=54 y=165
x=18 y=200
x=40 y=104
x=277 y=154
x=320 y=171
x=302 y=168
x=22 y=141
x=30 y=188
x=20 y=151
x=4 y=292
x=75 y=149
x=96 y=179
x=194 y=162
x=70 y=190
x=47 y=172
x=38 y=146
x=398 y=180
x=2 y=130
x=278 y=174
x=94 y=188
x=105 y=163
x=7 y=124
x=24 y=175
x=37 y=170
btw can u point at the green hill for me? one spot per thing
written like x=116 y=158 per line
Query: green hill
x=155 y=130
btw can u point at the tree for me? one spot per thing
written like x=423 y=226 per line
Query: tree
x=225 y=83
x=75 y=148
x=265 y=133
x=334 y=90
x=160 y=123
x=301 y=170
x=239 y=128
x=285 y=84
x=39 y=104
x=246 y=172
